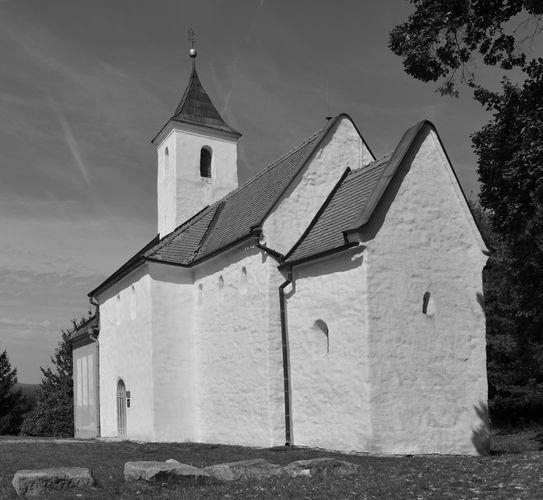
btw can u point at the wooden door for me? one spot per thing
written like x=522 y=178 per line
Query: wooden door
x=121 y=410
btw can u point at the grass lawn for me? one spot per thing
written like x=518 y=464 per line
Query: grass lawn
x=505 y=474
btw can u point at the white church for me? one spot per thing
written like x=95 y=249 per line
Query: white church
x=334 y=300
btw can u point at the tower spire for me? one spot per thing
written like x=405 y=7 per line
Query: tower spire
x=195 y=107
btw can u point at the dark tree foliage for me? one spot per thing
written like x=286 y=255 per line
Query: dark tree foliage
x=511 y=400
x=11 y=400
x=442 y=37
x=53 y=413
x=510 y=158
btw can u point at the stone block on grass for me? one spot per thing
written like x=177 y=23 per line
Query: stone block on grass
x=38 y=482
x=244 y=469
x=163 y=472
x=322 y=467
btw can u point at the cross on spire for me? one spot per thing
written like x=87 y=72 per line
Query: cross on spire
x=192 y=40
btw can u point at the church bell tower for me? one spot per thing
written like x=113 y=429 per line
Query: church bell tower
x=197 y=156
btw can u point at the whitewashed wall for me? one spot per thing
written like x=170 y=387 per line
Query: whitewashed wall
x=329 y=374
x=126 y=352
x=182 y=192
x=427 y=373
x=342 y=148
x=174 y=363
x=238 y=348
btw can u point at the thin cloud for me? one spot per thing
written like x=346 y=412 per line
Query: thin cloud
x=227 y=100
x=25 y=322
x=71 y=143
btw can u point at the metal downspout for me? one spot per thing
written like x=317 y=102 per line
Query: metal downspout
x=286 y=357
x=97 y=389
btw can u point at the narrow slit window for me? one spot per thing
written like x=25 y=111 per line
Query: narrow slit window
x=132 y=302
x=243 y=281
x=428 y=305
x=205 y=163
x=425 y=300
x=118 y=310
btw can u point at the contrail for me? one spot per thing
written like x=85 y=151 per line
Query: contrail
x=72 y=143
x=226 y=101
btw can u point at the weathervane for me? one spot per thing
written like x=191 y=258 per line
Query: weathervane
x=192 y=40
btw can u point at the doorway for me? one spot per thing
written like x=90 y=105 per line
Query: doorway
x=121 y=410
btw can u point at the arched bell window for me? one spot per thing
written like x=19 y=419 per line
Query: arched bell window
x=205 y=162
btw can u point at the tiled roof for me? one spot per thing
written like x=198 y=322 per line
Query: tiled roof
x=348 y=207
x=181 y=245
x=128 y=266
x=196 y=107
x=340 y=211
x=236 y=215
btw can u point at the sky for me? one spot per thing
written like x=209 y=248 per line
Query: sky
x=85 y=85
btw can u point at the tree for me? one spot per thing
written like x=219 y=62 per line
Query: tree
x=510 y=159
x=53 y=413
x=11 y=401
x=443 y=37
x=511 y=400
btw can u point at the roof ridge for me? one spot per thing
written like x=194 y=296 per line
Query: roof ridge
x=181 y=104
x=274 y=164
x=371 y=164
x=212 y=224
x=396 y=159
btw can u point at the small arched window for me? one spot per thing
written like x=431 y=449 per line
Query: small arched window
x=205 y=162
x=322 y=328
